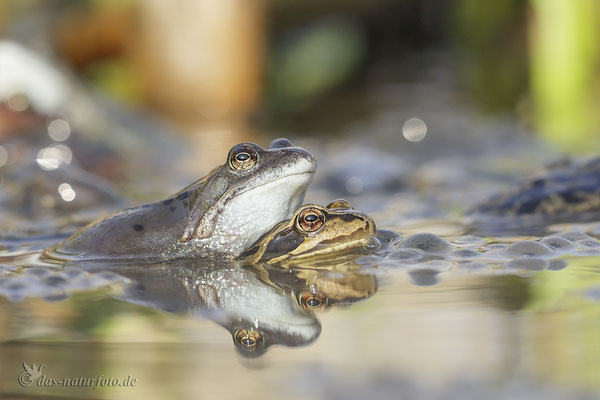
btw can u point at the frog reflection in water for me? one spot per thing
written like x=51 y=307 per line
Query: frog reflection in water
x=315 y=231
x=259 y=306
x=222 y=213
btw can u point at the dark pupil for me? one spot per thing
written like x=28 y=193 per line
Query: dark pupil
x=242 y=157
x=314 y=302
x=247 y=341
x=311 y=218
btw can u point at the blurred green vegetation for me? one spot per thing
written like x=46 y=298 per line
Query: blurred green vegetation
x=115 y=76
x=490 y=41
x=315 y=61
x=565 y=50
x=554 y=291
x=537 y=61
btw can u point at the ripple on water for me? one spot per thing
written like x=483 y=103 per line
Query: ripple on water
x=427 y=244
x=527 y=248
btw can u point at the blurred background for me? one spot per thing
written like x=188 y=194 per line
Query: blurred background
x=413 y=107
x=223 y=72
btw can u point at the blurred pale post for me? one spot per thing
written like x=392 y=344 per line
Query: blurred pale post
x=201 y=63
x=565 y=48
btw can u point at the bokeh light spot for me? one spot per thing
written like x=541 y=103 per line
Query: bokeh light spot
x=414 y=130
x=66 y=192
x=18 y=101
x=59 y=130
x=354 y=185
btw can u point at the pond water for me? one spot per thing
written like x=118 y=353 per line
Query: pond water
x=450 y=315
x=454 y=306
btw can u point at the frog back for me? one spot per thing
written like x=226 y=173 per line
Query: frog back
x=145 y=232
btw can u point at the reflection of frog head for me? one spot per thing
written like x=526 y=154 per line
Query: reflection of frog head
x=319 y=289
x=313 y=231
x=257 y=315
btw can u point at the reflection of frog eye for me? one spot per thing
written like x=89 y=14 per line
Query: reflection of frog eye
x=248 y=339
x=313 y=301
x=242 y=158
x=310 y=219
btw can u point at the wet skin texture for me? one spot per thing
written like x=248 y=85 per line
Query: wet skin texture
x=314 y=230
x=221 y=214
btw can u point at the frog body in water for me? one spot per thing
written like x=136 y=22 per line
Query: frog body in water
x=566 y=191
x=314 y=231
x=222 y=213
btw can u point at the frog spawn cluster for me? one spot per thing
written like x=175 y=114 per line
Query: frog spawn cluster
x=52 y=285
x=424 y=256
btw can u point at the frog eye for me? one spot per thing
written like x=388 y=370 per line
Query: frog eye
x=310 y=219
x=242 y=158
x=313 y=301
x=248 y=339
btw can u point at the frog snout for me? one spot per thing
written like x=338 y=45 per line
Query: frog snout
x=303 y=160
